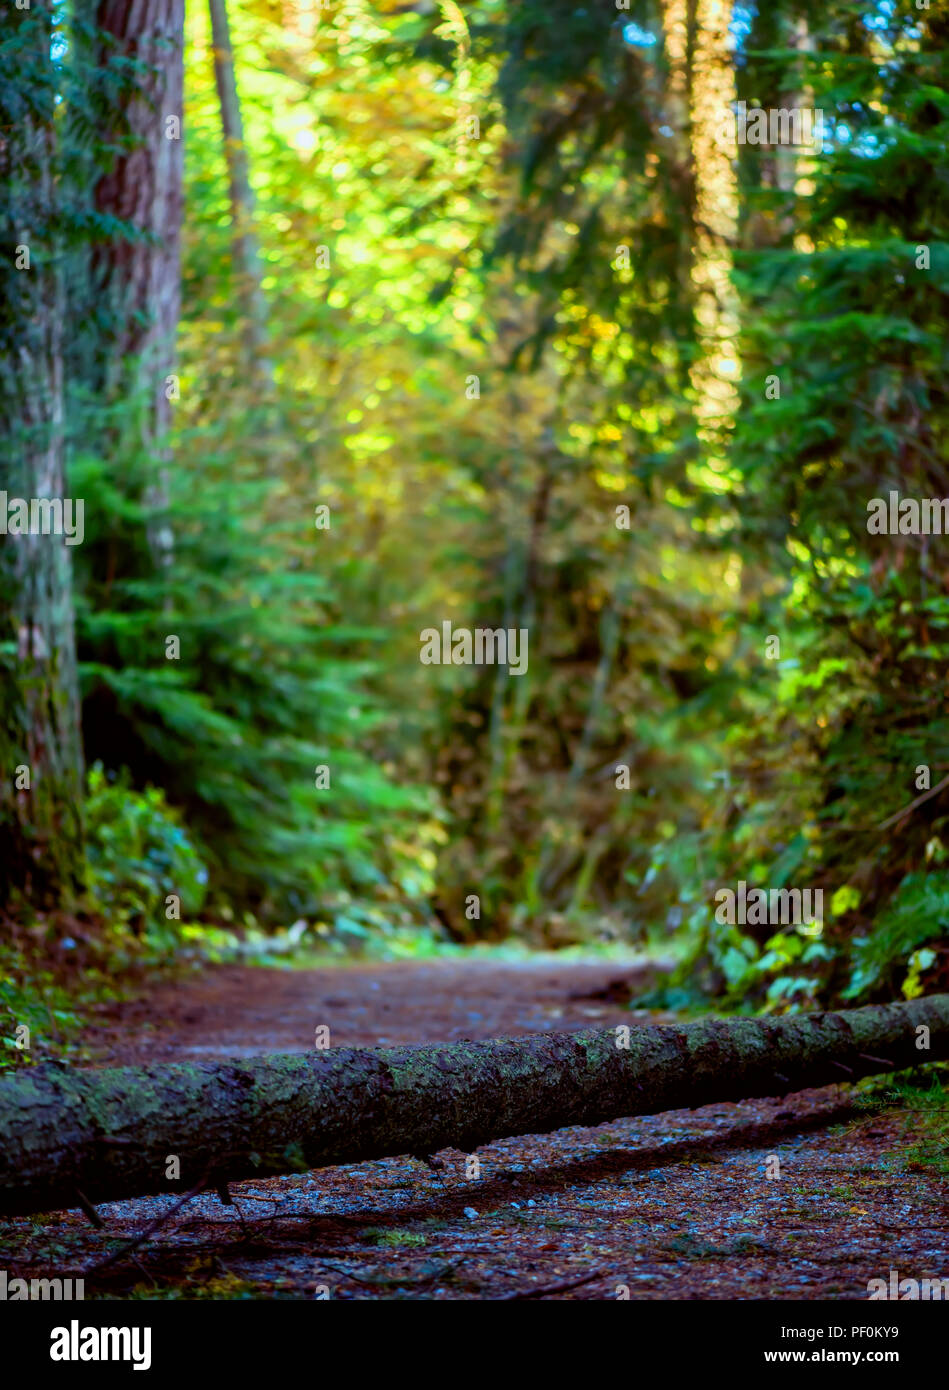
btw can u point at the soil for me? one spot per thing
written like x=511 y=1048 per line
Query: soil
x=797 y=1197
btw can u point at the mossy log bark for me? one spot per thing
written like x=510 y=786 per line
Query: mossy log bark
x=68 y=1135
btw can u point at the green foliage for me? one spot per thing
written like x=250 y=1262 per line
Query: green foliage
x=924 y=1098
x=137 y=853
x=852 y=326
x=229 y=648
x=916 y=917
x=930 y=1104
x=34 y=998
x=228 y=676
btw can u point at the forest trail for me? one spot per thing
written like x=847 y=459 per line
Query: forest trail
x=800 y=1197
x=244 y=1011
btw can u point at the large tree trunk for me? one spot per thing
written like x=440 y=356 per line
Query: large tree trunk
x=40 y=749
x=138 y=280
x=110 y=1134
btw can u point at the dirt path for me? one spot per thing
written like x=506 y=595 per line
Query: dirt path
x=241 y=1011
x=804 y=1197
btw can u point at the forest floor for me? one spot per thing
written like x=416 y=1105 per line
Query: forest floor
x=682 y=1205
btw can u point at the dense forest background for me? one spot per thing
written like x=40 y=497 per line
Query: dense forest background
x=345 y=321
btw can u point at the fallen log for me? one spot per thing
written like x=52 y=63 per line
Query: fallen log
x=70 y=1137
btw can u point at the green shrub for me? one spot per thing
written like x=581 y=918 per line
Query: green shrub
x=895 y=951
x=138 y=853
x=35 y=1000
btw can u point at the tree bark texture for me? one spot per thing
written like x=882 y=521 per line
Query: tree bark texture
x=40 y=823
x=110 y=1134
x=139 y=279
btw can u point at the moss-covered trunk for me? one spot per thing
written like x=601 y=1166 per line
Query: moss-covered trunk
x=112 y=1134
x=40 y=749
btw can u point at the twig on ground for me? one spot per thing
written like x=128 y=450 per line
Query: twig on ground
x=387 y=1281
x=542 y=1290
x=149 y=1230
x=89 y=1210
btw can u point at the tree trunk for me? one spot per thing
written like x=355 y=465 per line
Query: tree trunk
x=40 y=747
x=110 y=1134
x=715 y=373
x=246 y=258
x=138 y=281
